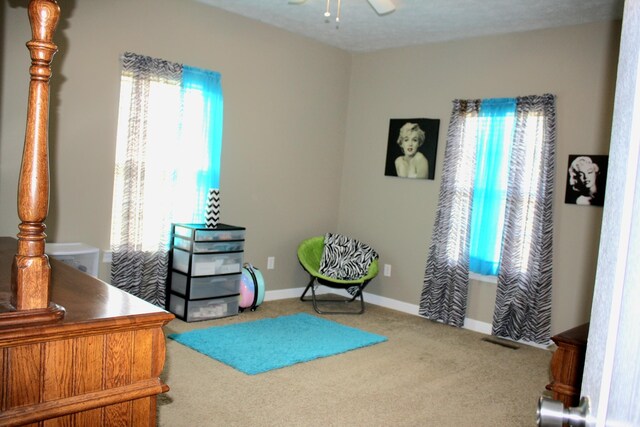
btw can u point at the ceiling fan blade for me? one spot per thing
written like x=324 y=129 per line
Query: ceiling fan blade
x=382 y=7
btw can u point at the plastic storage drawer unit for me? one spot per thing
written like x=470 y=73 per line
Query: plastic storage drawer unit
x=205 y=271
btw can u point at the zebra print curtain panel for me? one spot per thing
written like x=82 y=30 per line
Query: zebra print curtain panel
x=446 y=280
x=139 y=267
x=523 y=302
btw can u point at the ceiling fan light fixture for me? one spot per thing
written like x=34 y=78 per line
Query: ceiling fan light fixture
x=382 y=7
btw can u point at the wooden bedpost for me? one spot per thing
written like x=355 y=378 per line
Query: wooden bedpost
x=99 y=362
x=31 y=272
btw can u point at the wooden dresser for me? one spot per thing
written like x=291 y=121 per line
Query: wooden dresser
x=98 y=365
x=567 y=364
x=74 y=351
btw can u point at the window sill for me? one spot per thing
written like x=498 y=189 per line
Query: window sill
x=482 y=278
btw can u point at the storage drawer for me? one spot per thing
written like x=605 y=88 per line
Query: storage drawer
x=203 y=309
x=212 y=246
x=206 y=287
x=199 y=233
x=207 y=264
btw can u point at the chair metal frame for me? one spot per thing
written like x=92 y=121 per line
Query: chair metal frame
x=309 y=255
x=315 y=300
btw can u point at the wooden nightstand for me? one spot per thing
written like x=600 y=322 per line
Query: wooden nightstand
x=567 y=365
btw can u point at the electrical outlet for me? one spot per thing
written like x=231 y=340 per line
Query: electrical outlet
x=271 y=261
x=387 y=270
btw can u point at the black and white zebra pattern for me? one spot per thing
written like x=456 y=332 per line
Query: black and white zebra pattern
x=141 y=273
x=523 y=298
x=212 y=211
x=146 y=68
x=523 y=302
x=445 y=285
x=345 y=258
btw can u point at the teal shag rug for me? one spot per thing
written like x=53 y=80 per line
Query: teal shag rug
x=263 y=345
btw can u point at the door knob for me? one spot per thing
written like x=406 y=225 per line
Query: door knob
x=551 y=413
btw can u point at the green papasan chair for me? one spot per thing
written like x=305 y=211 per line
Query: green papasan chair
x=310 y=255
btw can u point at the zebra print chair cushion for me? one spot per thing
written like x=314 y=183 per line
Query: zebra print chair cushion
x=345 y=258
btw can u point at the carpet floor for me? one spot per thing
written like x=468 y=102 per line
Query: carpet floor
x=426 y=374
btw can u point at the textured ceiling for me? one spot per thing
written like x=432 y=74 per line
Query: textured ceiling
x=418 y=21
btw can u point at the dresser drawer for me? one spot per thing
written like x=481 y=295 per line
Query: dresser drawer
x=203 y=309
x=212 y=246
x=199 y=233
x=205 y=287
x=207 y=264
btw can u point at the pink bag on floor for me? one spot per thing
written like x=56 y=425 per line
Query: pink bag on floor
x=251 y=288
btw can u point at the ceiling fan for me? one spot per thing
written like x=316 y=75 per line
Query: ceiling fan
x=382 y=7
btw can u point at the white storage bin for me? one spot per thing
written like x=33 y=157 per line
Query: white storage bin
x=207 y=264
x=206 y=287
x=79 y=255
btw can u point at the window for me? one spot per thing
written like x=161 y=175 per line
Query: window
x=167 y=158
x=493 y=141
x=494 y=133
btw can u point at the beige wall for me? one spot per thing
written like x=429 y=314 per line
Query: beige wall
x=396 y=215
x=284 y=124
x=305 y=131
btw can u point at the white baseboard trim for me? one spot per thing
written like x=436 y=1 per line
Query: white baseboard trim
x=471 y=324
x=283 y=294
x=477 y=326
